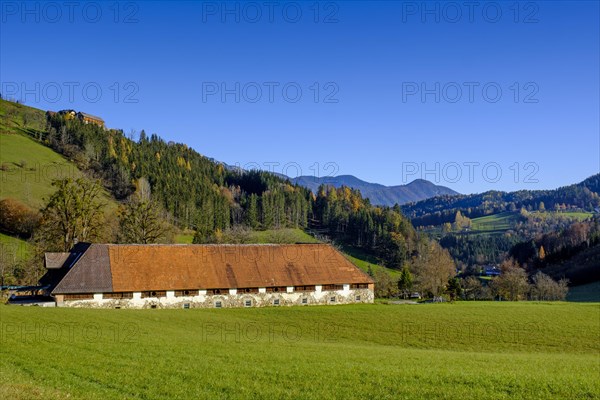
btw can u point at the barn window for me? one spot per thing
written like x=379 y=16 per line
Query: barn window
x=218 y=304
x=332 y=299
x=309 y=288
x=186 y=305
x=118 y=295
x=333 y=287
x=215 y=291
x=276 y=289
x=248 y=303
x=359 y=286
x=182 y=293
x=153 y=306
x=357 y=298
x=304 y=300
x=276 y=302
x=154 y=293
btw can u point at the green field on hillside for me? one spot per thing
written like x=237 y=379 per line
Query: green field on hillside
x=502 y=222
x=363 y=261
x=14 y=249
x=288 y=235
x=468 y=350
x=19 y=118
x=496 y=222
x=29 y=168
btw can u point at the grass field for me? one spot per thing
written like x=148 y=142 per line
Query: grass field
x=288 y=235
x=13 y=249
x=496 y=222
x=363 y=260
x=19 y=118
x=463 y=350
x=31 y=183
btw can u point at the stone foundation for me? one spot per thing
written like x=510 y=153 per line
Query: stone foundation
x=261 y=299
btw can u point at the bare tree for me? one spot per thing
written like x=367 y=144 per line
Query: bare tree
x=546 y=289
x=433 y=268
x=512 y=283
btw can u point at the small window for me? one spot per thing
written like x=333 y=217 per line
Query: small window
x=359 y=286
x=183 y=293
x=218 y=304
x=332 y=299
x=154 y=293
x=117 y=307
x=153 y=306
x=304 y=300
x=309 y=288
x=248 y=303
x=186 y=305
x=277 y=289
x=276 y=302
x=357 y=298
x=118 y=295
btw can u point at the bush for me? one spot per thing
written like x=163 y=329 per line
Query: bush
x=17 y=219
x=546 y=289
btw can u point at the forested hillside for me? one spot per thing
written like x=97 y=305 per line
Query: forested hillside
x=439 y=210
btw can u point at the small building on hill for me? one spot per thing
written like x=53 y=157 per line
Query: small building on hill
x=90 y=119
x=203 y=276
x=83 y=117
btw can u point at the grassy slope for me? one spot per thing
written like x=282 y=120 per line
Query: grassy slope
x=31 y=184
x=497 y=222
x=465 y=350
x=13 y=249
x=19 y=118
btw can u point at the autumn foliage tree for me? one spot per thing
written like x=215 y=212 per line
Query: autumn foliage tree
x=17 y=219
x=141 y=221
x=73 y=214
x=512 y=283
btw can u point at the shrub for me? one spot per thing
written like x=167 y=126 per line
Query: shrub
x=16 y=218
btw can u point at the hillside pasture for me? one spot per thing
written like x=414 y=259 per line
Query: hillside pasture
x=495 y=223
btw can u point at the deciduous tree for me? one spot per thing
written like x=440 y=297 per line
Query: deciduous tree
x=73 y=214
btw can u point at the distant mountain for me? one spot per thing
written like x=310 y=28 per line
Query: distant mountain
x=436 y=211
x=379 y=194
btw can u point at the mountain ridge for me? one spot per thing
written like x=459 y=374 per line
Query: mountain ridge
x=378 y=194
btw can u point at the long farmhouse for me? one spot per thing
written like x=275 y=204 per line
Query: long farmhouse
x=203 y=276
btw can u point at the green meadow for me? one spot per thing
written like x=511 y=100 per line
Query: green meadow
x=496 y=222
x=467 y=350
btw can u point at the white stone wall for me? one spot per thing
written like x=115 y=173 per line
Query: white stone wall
x=233 y=299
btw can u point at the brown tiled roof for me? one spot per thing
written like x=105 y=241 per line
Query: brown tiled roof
x=179 y=267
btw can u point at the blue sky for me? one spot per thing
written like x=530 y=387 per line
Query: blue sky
x=388 y=91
